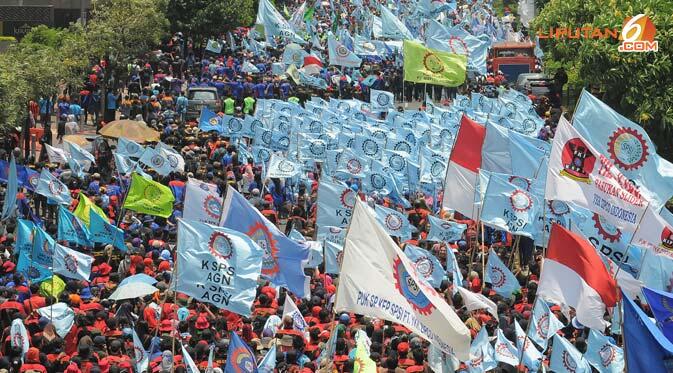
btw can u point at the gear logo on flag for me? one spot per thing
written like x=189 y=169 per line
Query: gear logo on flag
x=157 y=161
x=432 y=63
x=568 y=361
x=33 y=180
x=359 y=116
x=133 y=148
x=437 y=169
x=380 y=135
x=497 y=276
x=542 y=326
x=396 y=162
x=204 y=187
x=342 y=51
x=17 y=340
x=235 y=125
x=370 y=147
x=254 y=124
x=317 y=149
x=266 y=138
x=70 y=263
x=520 y=182
x=627 y=148
x=667 y=239
x=476 y=361
x=578 y=162
x=287 y=111
x=503 y=350
x=344 y=107
x=212 y=207
x=242 y=361
x=393 y=222
x=315 y=126
x=139 y=353
x=411 y=290
x=212 y=121
x=285 y=166
x=55 y=187
x=520 y=201
x=402 y=146
x=284 y=142
x=377 y=181
x=607 y=354
x=606 y=230
x=152 y=193
x=458 y=46
x=263 y=155
x=558 y=208
x=172 y=160
x=446 y=136
x=348 y=198
x=424 y=266
x=354 y=166
x=261 y=235
x=220 y=246
x=284 y=119
x=382 y=99
x=527 y=126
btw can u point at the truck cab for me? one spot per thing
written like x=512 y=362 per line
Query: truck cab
x=513 y=58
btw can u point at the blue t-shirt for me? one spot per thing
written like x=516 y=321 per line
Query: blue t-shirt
x=111 y=103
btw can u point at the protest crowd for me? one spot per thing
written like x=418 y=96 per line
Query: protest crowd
x=310 y=220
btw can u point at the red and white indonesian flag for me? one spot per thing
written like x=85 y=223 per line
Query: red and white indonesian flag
x=573 y=275
x=378 y=280
x=654 y=233
x=463 y=169
x=202 y=202
x=580 y=174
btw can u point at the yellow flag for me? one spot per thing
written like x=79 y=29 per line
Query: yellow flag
x=363 y=363
x=52 y=287
x=425 y=65
x=84 y=207
x=293 y=73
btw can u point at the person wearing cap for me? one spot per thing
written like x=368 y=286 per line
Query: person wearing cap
x=33 y=362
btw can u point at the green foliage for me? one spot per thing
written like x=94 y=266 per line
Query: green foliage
x=7 y=38
x=204 y=18
x=638 y=85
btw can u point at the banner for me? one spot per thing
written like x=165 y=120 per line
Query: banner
x=425 y=65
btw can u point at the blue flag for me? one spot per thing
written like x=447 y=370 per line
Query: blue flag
x=71 y=229
x=157 y=161
x=545 y=324
x=24 y=236
x=9 y=205
x=444 y=231
x=627 y=145
x=502 y=280
x=209 y=121
x=71 y=263
x=104 y=232
x=28 y=178
x=339 y=55
x=392 y=27
x=282 y=256
x=43 y=247
x=482 y=354
x=333 y=256
x=532 y=358
x=214 y=46
x=565 y=358
x=509 y=207
x=661 y=304
x=32 y=270
x=229 y=264
x=60 y=315
x=335 y=204
x=124 y=164
x=239 y=356
x=81 y=157
x=603 y=354
x=646 y=346
x=393 y=222
x=457 y=40
x=52 y=188
x=293 y=55
x=312 y=81
x=129 y=148
x=268 y=363
x=426 y=264
x=452 y=266
x=505 y=352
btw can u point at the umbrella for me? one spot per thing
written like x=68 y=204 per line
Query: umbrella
x=130 y=129
x=141 y=277
x=133 y=290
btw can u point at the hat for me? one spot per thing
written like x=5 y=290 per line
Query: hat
x=72 y=368
x=403 y=347
x=166 y=326
x=85 y=293
x=315 y=310
x=165 y=254
x=33 y=355
x=104 y=269
x=202 y=323
x=8 y=266
x=164 y=266
x=344 y=319
x=183 y=314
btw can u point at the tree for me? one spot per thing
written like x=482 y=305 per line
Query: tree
x=638 y=85
x=204 y=18
x=121 y=30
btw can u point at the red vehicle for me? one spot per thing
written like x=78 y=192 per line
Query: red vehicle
x=513 y=58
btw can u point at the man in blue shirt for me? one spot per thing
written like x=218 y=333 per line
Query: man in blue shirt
x=110 y=107
x=46 y=106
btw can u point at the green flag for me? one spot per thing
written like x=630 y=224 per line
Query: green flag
x=84 y=207
x=308 y=14
x=425 y=65
x=149 y=197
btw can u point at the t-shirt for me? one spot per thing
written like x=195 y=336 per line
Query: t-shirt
x=248 y=105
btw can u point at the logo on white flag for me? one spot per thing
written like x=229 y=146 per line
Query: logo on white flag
x=568 y=361
x=70 y=263
x=608 y=231
x=220 y=245
x=520 y=201
x=411 y=290
x=578 y=162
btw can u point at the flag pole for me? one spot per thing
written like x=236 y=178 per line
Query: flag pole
x=483 y=257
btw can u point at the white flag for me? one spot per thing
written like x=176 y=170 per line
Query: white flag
x=505 y=352
x=189 y=362
x=580 y=174
x=290 y=308
x=281 y=168
x=56 y=155
x=202 y=202
x=478 y=301
x=381 y=100
x=71 y=263
x=654 y=233
x=142 y=358
x=379 y=281
x=19 y=336
x=175 y=160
